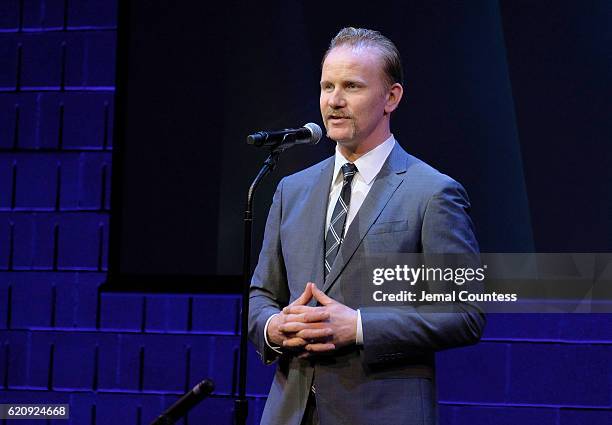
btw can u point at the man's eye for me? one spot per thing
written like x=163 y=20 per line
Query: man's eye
x=351 y=86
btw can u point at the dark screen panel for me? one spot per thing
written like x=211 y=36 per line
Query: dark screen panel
x=197 y=78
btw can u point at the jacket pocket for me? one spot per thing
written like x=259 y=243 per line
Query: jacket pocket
x=389 y=226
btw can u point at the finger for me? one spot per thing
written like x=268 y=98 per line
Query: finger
x=300 y=309
x=304 y=309
x=304 y=355
x=310 y=334
x=290 y=318
x=290 y=327
x=305 y=297
x=320 y=348
x=297 y=309
x=316 y=316
x=294 y=343
x=320 y=296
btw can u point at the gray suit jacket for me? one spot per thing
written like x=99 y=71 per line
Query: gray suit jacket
x=411 y=207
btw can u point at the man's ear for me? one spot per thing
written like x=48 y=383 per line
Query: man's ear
x=394 y=95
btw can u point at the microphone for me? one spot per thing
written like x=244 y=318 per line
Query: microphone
x=185 y=403
x=310 y=134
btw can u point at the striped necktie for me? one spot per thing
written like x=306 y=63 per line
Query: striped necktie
x=335 y=231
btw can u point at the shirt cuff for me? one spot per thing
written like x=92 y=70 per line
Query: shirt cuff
x=359 y=334
x=270 y=346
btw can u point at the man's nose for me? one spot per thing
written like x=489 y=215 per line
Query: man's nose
x=336 y=99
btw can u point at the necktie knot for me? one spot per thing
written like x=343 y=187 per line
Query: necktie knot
x=348 y=171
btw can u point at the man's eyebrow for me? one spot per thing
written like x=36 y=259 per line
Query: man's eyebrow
x=346 y=81
x=356 y=81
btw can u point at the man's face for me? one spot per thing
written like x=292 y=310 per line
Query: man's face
x=353 y=96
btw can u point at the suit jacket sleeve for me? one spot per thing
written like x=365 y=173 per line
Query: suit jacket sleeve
x=393 y=333
x=269 y=292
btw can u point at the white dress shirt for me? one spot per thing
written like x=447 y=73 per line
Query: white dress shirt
x=368 y=167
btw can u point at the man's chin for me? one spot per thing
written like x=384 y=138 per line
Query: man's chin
x=340 y=137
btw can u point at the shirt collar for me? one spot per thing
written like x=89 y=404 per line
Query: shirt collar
x=369 y=164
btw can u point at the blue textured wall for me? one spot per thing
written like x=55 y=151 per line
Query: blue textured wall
x=123 y=358
x=115 y=358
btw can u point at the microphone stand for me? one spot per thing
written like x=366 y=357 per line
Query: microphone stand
x=241 y=404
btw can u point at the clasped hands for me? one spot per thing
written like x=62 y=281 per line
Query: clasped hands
x=308 y=330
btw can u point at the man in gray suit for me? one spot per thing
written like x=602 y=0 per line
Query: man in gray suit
x=339 y=360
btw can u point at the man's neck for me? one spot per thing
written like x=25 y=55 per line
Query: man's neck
x=354 y=152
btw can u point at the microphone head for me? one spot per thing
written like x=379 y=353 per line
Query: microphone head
x=205 y=387
x=316 y=132
x=256 y=139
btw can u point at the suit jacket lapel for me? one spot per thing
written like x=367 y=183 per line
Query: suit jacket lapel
x=385 y=184
x=316 y=215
